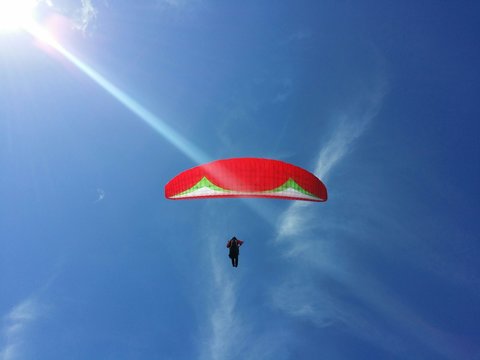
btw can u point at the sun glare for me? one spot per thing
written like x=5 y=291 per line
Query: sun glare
x=16 y=14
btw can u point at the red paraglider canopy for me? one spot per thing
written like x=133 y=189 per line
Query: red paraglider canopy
x=246 y=177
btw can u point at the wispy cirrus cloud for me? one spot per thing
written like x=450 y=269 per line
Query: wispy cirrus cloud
x=338 y=290
x=297 y=230
x=100 y=195
x=87 y=13
x=229 y=331
x=15 y=328
x=221 y=329
x=229 y=328
x=350 y=126
x=220 y=344
x=81 y=13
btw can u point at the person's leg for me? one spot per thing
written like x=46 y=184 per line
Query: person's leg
x=233 y=260
x=236 y=261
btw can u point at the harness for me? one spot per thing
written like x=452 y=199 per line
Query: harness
x=233 y=247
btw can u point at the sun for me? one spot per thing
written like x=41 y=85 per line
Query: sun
x=16 y=14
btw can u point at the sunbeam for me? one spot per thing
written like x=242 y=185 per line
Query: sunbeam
x=180 y=142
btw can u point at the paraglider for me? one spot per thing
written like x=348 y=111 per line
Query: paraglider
x=246 y=177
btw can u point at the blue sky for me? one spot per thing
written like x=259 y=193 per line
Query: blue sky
x=377 y=98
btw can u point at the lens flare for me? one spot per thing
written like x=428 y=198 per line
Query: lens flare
x=16 y=14
x=180 y=142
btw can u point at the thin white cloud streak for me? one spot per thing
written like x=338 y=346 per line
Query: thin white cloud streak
x=87 y=14
x=228 y=329
x=229 y=333
x=351 y=126
x=82 y=16
x=323 y=309
x=100 y=195
x=303 y=300
x=14 y=330
x=223 y=316
x=223 y=321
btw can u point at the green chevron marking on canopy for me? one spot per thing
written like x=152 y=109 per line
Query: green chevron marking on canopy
x=291 y=184
x=203 y=183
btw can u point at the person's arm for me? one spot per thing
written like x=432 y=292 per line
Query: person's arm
x=240 y=243
x=228 y=243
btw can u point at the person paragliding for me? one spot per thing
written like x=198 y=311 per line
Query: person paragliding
x=234 y=250
x=246 y=178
